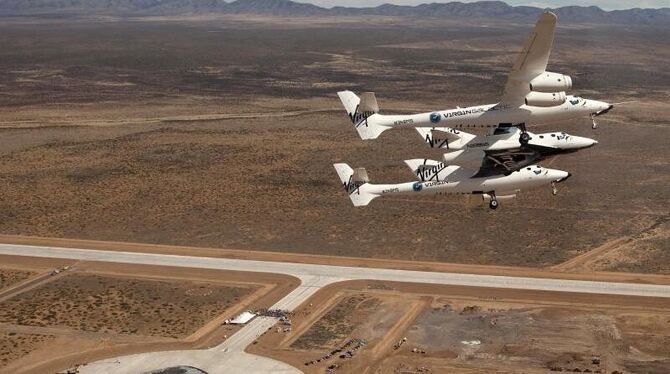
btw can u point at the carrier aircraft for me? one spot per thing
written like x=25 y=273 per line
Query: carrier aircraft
x=531 y=95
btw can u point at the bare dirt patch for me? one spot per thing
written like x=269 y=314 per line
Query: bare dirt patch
x=482 y=337
x=338 y=323
x=464 y=329
x=341 y=328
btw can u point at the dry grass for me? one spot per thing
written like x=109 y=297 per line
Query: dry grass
x=14 y=346
x=121 y=305
x=9 y=277
x=268 y=183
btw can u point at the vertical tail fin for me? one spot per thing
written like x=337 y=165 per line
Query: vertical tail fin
x=444 y=137
x=362 y=111
x=355 y=182
x=430 y=170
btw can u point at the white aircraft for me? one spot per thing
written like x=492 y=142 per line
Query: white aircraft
x=438 y=179
x=500 y=152
x=532 y=95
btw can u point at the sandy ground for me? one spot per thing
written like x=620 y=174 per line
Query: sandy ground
x=558 y=330
x=395 y=307
x=9 y=278
x=47 y=340
x=104 y=128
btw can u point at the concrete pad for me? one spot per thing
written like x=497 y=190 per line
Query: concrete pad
x=211 y=361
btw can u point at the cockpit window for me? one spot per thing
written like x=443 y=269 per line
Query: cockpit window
x=574 y=100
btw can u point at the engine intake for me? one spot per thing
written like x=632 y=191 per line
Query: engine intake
x=545 y=99
x=551 y=82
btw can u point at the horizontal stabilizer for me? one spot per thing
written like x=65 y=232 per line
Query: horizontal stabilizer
x=369 y=130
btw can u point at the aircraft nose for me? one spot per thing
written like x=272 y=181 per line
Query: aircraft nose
x=562 y=176
x=603 y=107
x=588 y=142
x=578 y=142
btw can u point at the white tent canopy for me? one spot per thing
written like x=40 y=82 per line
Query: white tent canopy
x=242 y=318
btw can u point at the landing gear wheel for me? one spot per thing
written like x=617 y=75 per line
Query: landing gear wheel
x=554 y=190
x=525 y=136
x=493 y=204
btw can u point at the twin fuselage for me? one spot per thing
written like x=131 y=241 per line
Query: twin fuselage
x=461 y=183
x=490 y=182
x=490 y=115
x=532 y=95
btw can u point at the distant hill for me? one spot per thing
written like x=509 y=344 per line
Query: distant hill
x=277 y=7
x=453 y=10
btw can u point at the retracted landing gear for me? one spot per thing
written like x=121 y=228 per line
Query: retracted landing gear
x=524 y=138
x=493 y=204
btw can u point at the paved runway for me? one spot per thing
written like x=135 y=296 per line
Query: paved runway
x=230 y=354
x=326 y=274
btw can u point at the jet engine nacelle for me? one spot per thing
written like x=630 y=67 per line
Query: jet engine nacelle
x=551 y=82
x=545 y=99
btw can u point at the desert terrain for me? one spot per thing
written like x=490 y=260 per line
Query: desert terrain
x=77 y=313
x=69 y=313
x=382 y=327
x=219 y=133
x=187 y=131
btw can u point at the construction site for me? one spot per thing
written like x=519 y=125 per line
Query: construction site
x=116 y=300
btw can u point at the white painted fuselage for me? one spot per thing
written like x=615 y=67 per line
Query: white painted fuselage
x=491 y=115
x=459 y=183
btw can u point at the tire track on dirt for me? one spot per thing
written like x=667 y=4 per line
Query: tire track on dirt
x=586 y=262
x=395 y=333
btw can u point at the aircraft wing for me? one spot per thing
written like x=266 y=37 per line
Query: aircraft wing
x=532 y=61
x=503 y=162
